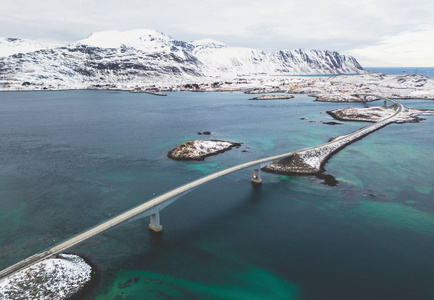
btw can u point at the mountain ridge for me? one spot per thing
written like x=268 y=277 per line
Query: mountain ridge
x=149 y=56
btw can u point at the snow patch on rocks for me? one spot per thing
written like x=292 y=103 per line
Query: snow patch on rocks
x=199 y=149
x=54 y=278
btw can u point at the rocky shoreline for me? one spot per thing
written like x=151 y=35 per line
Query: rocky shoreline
x=199 y=149
x=342 y=88
x=63 y=277
x=265 y=90
x=273 y=97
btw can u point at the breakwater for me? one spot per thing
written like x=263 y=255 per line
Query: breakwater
x=311 y=161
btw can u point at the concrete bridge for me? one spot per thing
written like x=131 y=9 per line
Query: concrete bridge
x=367 y=95
x=153 y=207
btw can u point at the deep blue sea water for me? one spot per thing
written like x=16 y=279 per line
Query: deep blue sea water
x=70 y=160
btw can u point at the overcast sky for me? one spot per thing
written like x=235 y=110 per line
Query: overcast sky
x=377 y=32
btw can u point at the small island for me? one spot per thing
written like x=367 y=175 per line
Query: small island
x=265 y=90
x=273 y=97
x=199 y=149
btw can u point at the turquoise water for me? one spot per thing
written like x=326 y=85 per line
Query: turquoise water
x=70 y=160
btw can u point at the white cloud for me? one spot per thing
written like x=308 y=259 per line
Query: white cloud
x=340 y=25
x=410 y=49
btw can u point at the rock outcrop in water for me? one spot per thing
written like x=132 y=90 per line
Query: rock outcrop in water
x=199 y=149
x=273 y=97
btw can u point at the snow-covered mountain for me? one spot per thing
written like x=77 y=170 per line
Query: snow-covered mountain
x=219 y=58
x=147 y=56
x=10 y=46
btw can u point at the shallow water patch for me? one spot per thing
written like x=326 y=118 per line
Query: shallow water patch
x=251 y=284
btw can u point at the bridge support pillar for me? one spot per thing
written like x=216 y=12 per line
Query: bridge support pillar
x=256 y=179
x=154 y=224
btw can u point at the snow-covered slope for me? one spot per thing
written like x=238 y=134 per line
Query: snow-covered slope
x=150 y=57
x=145 y=40
x=207 y=44
x=81 y=66
x=10 y=46
x=244 y=61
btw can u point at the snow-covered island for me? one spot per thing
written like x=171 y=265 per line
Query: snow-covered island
x=273 y=97
x=375 y=114
x=199 y=149
x=54 y=278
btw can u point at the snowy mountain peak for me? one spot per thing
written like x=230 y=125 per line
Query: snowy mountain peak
x=141 y=55
x=140 y=39
x=11 y=46
x=208 y=43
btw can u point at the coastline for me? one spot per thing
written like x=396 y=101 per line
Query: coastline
x=94 y=281
x=65 y=276
x=340 y=88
